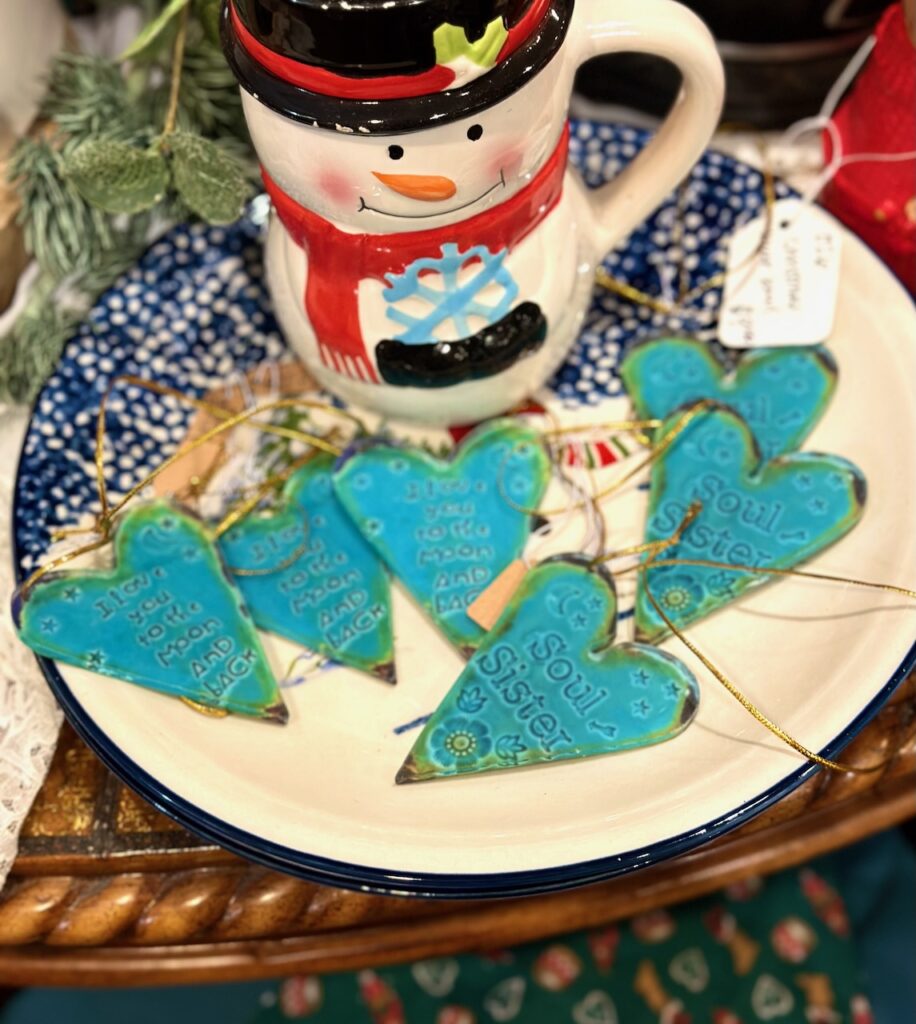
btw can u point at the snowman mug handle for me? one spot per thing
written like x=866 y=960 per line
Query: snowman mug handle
x=665 y=29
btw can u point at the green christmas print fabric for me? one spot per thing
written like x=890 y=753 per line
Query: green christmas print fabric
x=776 y=951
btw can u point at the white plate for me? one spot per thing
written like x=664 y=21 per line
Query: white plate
x=318 y=797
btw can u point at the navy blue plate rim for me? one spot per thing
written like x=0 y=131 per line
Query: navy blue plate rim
x=387 y=882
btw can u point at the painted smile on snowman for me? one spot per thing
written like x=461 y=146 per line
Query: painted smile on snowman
x=426 y=188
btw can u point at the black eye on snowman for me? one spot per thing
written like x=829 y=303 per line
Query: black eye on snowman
x=395 y=152
x=474 y=132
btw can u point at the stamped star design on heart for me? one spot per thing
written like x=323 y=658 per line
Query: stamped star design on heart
x=330 y=592
x=781 y=393
x=448 y=527
x=548 y=684
x=754 y=512
x=166 y=617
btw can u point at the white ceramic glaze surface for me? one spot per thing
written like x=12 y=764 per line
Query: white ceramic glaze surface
x=811 y=655
x=341 y=177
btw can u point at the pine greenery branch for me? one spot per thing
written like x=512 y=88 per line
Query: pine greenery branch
x=29 y=353
x=66 y=234
x=94 y=107
x=207 y=83
x=87 y=98
x=53 y=311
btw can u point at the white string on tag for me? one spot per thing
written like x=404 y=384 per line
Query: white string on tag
x=787 y=293
x=578 y=500
x=822 y=121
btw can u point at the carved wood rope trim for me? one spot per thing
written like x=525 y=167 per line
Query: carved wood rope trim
x=243 y=902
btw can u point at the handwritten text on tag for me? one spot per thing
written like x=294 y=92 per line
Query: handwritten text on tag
x=786 y=293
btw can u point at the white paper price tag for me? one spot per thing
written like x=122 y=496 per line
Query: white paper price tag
x=787 y=293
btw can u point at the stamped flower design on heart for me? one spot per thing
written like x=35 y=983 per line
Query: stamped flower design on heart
x=680 y=594
x=460 y=739
x=753 y=513
x=554 y=692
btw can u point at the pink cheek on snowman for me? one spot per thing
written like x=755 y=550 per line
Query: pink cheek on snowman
x=336 y=188
x=508 y=163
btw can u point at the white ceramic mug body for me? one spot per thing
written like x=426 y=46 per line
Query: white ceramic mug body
x=475 y=168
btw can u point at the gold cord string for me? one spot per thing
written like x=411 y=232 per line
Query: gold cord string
x=655 y=549
x=656 y=450
x=751 y=707
x=246 y=507
x=243 y=508
x=685 y=298
x=659 y=447
x=611 y=425
x=229 y=421
x=890 y=588
x=221 y=413
x=281 y=566
x=204 y=709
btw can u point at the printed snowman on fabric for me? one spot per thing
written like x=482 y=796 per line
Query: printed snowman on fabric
x=425 y=251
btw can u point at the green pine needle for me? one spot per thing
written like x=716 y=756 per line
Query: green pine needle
x=65 y=233
x=80 y=249
x=30 y=351
x=87 y=100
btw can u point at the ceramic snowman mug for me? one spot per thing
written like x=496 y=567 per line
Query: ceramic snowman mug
x=431 y=254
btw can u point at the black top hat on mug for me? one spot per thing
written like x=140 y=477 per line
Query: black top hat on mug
x=388 y=66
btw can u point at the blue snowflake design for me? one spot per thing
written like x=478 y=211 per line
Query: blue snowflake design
x=195 y=311
x=450 y=298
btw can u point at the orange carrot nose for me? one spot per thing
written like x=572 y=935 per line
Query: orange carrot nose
x=428 y=187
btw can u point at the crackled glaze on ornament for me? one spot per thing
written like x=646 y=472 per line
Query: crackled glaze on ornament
x=448 y=527
x=548 y=684
x=756 y=512
x=330 y=591
x=781 y=393
x=166 y=617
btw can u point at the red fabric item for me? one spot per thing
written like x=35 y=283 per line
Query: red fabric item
x=339 y=260
x=878 y=200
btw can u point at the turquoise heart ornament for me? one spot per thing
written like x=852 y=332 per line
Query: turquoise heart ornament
x=780 y=392
x=330 y=592
x=548 y=684
x=166 y=617
x=448 y=527
x=755 y=512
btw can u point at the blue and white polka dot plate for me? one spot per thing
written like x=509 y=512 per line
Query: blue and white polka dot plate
x=317 y=798
x=195 y=311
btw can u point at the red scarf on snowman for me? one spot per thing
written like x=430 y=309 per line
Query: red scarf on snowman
x=339 y=260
